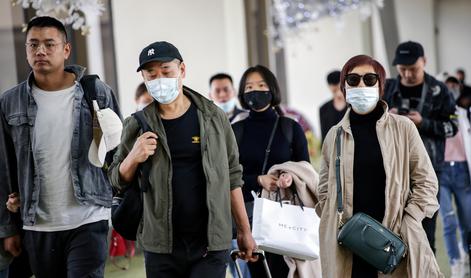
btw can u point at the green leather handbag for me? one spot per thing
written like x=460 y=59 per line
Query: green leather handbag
x=364 y=236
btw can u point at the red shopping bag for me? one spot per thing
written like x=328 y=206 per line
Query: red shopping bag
x=118 y=245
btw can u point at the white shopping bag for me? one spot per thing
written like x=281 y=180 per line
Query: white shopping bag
x=286 y=229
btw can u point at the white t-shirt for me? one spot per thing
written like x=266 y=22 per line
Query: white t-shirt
x=58 y=209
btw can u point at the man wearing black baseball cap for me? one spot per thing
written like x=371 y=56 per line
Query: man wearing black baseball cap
x=428 y=103
x=195 y=178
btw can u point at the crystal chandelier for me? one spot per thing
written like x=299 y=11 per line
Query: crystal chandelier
x=69 y=12
x=291 y=17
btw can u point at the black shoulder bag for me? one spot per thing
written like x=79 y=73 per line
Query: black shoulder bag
x=365 y=236
x=127 y=206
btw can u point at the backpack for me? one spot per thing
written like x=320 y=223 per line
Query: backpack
x=89 y=92
x=127 y=206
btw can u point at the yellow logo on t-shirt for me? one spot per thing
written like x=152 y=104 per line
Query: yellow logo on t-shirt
x=195 y=140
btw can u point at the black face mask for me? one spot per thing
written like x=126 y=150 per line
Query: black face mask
x=257 y=100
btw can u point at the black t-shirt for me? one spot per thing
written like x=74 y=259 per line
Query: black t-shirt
x=329 y=116
x=190 y=212
x=413 y=93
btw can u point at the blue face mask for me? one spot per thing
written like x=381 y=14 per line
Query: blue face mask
x=363 y=99
x=163 y=90
x=227 y=106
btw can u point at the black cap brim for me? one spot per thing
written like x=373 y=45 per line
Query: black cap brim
x=158 y=59
x=405 y=60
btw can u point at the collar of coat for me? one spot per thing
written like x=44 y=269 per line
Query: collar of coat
x=345 y=122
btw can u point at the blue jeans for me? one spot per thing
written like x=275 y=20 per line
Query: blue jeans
x=4 y=273
x=455 y=182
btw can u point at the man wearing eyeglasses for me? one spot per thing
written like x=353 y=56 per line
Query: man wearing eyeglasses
x=45 y=135
x=426 y=102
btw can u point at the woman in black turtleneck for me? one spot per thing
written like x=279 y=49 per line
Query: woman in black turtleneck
x=259 y=92
x=385 y=173
x=369 y=177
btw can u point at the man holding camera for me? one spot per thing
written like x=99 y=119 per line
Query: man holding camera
x=427 y=102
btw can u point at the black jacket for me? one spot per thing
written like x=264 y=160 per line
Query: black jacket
x=437 y=108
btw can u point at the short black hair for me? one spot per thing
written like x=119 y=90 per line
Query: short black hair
x=47 y=21
x=268 y=77
x=333 y=78
x=452 y=79
x=462 y=72
x=141 y=90
x=219 y=76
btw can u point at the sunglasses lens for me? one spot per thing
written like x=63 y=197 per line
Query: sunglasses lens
x=370 y=79
x=353 y=79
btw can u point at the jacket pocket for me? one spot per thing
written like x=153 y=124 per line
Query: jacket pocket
x=20 y=128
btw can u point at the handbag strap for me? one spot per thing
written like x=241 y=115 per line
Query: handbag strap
x=337 y=174
x=296 y=195
x=270 y=141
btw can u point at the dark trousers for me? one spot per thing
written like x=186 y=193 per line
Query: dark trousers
x=80 y=252
x=430 y=224
x=187 y=260
x=20 y=267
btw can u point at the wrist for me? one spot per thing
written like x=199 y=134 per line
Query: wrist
x=259 y=180
x=243 y=229
x=127 y=169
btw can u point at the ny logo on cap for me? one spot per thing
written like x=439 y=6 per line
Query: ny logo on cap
x=404 y=51
x=150 y=52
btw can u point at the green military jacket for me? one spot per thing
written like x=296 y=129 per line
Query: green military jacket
x=221 y=168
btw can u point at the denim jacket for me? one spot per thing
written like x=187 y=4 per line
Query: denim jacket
x=18 y=168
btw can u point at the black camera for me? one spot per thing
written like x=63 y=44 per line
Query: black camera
x=404 y=108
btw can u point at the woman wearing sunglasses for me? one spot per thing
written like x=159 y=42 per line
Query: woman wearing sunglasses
x=385 y=172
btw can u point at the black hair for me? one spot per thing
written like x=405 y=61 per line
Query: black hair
x=333 y=78
x=47 y=21
x=452 y=79
x=141 y=90
x=271 y=81
x=461 y=71
x=219 y=76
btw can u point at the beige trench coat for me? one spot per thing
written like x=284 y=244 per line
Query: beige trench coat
x=410 y=195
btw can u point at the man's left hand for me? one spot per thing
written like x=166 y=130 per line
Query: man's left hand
x=246 y=246
x=415 y=117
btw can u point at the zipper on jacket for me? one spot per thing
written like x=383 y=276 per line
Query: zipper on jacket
x=204 y=154
x=166 y=150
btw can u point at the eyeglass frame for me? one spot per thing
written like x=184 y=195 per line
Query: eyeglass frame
x=362 y=77
x=47 y=49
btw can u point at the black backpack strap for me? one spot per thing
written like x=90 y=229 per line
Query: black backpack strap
x=287 y=126
x=146 y=165
x=238 y=129
x=141 y=121
x=88 y=83
x=89 y=89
